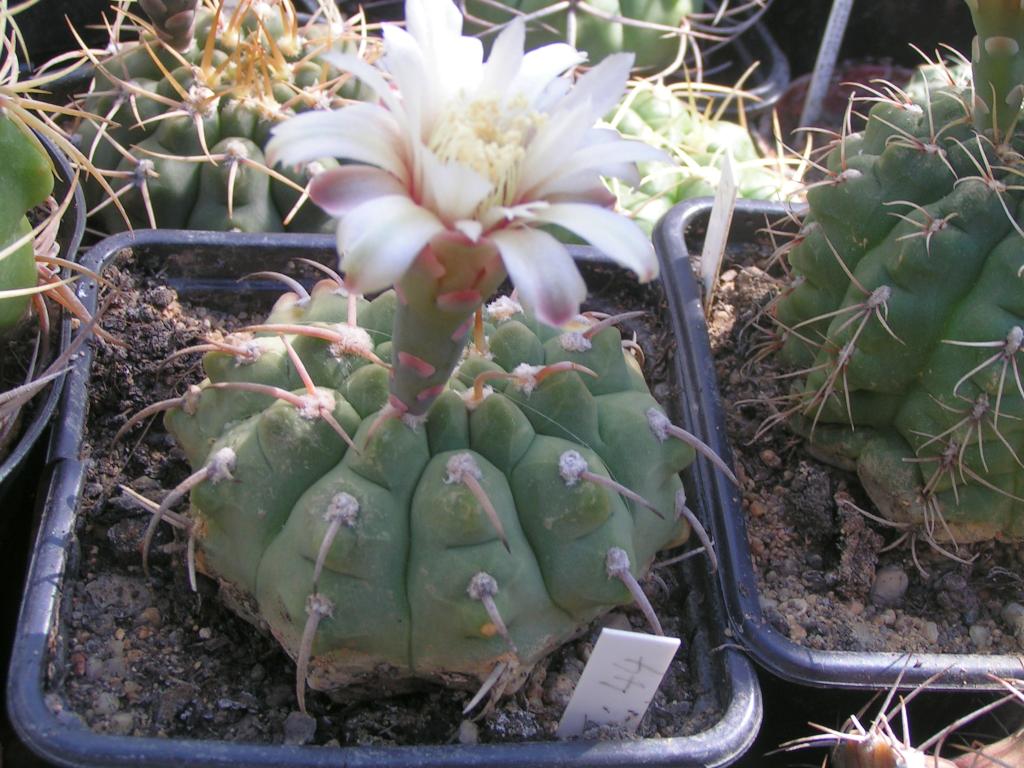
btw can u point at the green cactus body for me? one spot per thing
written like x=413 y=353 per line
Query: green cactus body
x=655 y=48
x=907 y=316
x=410 y=561
x=187 y=128
x=698 y=142
x=26 y=180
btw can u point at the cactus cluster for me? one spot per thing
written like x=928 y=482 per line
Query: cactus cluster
x=461 y=546
x=696 y=137
x=185 y=111
x=906 y=313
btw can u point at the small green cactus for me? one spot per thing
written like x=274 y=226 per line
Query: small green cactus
x=907 y=308
x=185 y=113
x=538 y=488
x=697 y=139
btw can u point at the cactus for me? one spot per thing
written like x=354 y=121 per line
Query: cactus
x=662 y=34
x=906 y=313
x=186 y=111
x=26 y=180
x=538 y=488
x=697 y=139
x=397 y=488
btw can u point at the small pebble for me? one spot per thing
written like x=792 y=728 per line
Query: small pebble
x=728 y=276
x=886 y=617
x=205 y=633
x=121 y=723
x=469 y=733
x=757 y=509
x=151 y=616
x=1013 y=615
x=981 y=636
x=796 y=606
x=617 y=620
x=770 y=458
x=890 y=586
x=106 y=703
x=299 y=728
x=930 y=632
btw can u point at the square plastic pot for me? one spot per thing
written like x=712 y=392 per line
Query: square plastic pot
x=676 y=237
x=202 y=267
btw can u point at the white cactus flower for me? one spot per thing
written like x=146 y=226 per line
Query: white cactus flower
x=485 y=152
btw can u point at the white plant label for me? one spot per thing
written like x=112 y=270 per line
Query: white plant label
x=718 y=230
x=618 y=682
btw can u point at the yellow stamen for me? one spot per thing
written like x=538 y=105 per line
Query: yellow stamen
x=490 y=137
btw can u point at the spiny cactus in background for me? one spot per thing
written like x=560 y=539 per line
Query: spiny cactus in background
x=907 y=310
x=662 y=34
x=541 y=484
x=691 y=130
x=186 y=111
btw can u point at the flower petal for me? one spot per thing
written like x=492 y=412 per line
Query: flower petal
x=366 y=72
x=506 y=59
x=339 y=190
x=365 y=133
x=556 y=139
x=601 y=87
x=541 y=66
x=453 y=63
x=404 y=59
x=605 y=154
x=611 y=233
x=543 y=273
x=452 y=190
x=379 y=239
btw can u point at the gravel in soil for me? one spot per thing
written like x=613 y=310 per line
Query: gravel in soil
x=825 y=577
x=147 y=657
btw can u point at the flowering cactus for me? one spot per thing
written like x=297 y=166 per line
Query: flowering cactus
x=906 y=314
x=412 y=487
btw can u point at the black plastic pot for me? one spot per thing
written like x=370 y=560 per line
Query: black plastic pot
x=202 y=267
x=674 y=239
x=72 y=227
